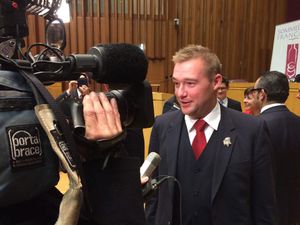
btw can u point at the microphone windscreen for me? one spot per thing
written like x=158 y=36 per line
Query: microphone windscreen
x=150 y=164
x=120 y=63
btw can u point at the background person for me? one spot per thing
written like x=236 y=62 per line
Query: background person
x=77 y=89
x=251 y=103
x=272 y=90
x=224 y=100
x=171 y=105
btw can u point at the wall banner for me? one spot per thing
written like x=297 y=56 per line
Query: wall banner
x=286 y=47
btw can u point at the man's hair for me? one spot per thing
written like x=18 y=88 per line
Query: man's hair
x=197 y=51
x=276 y=86
x=225 y=81
x=297 y=78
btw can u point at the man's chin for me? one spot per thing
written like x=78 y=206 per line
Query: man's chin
x=185 y=111
x=188 y=112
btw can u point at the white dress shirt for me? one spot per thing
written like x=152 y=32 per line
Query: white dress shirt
x=212 y=119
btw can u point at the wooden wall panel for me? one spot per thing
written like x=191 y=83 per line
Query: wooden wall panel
x=240 y=32
x=73 y=40
x=89 y=32
x=150 y=30
x=129 y=23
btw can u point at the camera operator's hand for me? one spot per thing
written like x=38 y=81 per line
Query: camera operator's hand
x=102 y=118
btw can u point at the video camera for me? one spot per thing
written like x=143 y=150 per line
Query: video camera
x=119 y=64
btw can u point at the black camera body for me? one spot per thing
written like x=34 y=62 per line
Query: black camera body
x=12 y=15
x=120 y=63
x=29 y=167
x=133 y=104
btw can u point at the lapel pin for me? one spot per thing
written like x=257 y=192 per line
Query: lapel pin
x=227 y=142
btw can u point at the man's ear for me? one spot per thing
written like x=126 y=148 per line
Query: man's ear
x=217 y=81
x=263 y=95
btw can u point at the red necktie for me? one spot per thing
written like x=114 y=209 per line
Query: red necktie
x=199 y=141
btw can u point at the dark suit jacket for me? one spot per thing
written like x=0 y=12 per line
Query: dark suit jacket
x=284 y=129
x=242 y=183
x=233 y=104
x=134 y=143
x=65 y=95
x=171 y=105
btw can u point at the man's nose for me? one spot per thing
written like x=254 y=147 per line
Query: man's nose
x=181 y=90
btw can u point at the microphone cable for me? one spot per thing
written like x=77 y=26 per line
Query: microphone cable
x=154 y=185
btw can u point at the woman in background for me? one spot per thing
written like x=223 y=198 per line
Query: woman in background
x=251 y=102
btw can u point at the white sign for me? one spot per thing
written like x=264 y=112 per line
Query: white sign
x=286 y=47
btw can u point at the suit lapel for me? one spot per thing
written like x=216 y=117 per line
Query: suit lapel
x=223 y=141
x=173 y=139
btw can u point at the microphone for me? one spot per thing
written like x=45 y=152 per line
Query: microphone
x=150 y=164
x=112 y=63
x=119 y=63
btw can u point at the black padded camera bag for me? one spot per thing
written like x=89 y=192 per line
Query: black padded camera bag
x=28 y=166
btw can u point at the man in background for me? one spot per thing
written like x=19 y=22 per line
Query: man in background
x=77 y=89
x=224 y=100
x=272 y=90
x=171 y=105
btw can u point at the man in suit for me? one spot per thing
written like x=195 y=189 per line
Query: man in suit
x=171 y=105
x=231 y=182
x=77 y=89
x=224 y=100
x=272 y=90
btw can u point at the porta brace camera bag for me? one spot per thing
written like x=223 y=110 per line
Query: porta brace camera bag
x=28 y=165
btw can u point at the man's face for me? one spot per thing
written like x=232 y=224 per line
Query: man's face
x=222 y=92
x=195 y=93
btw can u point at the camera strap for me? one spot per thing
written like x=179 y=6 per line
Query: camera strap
x=59 y=133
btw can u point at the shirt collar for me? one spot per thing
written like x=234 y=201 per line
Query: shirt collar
x=264 y=108
x=224 y=101
x=212 y=119
x=78 y=93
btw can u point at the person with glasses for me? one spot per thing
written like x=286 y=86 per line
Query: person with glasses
x=224 y=100
x=272 y=90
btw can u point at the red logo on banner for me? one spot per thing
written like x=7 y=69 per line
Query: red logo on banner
x=291 y=61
